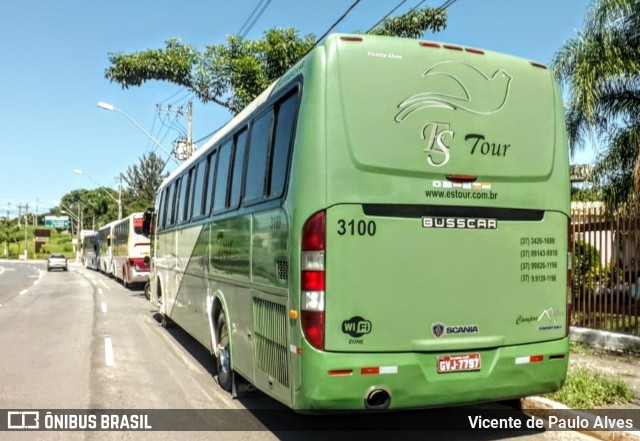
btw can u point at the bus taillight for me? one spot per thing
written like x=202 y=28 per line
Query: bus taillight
x=312 y=279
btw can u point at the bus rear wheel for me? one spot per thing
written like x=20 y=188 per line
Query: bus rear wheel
x=165 y=321
x=223 y=361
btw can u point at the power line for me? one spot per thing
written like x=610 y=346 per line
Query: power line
x=181 y=89
x=416 y=6
x=353 y=5
x=446 y=4
x=251 y=20
x=385 y=17
x=442 y=7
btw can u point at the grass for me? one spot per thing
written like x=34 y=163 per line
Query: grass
x=577 y=347
x=586 y=389
x=59 y=242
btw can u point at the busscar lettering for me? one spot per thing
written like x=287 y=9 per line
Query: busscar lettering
x=486 y=148
x=459 y=222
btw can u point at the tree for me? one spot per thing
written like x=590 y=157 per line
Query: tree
x=93 y=207
x=601 y=66
x=233 y=74
x=9 y=232
x=142 y=182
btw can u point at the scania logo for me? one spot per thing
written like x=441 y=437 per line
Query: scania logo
x=437 y=329
x=440 y=329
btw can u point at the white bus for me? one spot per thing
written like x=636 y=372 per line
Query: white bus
x=129 y=249
x=105 y=234
x=90 y=249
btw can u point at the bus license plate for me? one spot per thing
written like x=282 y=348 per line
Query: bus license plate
x=459 y=363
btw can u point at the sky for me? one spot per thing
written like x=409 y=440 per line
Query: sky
x=55 y=52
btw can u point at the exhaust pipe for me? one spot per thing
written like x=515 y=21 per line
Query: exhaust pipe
x=377 y=399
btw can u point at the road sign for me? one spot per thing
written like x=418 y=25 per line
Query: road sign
x=60 y=222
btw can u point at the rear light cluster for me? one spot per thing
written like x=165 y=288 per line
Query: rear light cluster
x=451 y=47
x=138 y=264
x=312 y=279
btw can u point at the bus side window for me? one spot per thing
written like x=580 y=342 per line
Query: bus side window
x=285 y=124
x=181 y=213
x=198 y=189
x=258 y=157
x=238 y=165
x=211 y=182
x=170 y=214
x=162 y=209
x=222 y=177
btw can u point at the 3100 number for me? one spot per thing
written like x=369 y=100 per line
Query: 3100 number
x=356 y=228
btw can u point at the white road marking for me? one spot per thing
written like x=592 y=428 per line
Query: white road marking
x=108 y=352
x=100 y=291
x=23 y=292
x=104 y=307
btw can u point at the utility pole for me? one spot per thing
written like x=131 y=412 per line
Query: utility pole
x=19 y=215
x=26 y=219
x=182 y=148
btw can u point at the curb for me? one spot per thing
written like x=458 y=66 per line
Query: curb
x=531 y=404
x=612 y=341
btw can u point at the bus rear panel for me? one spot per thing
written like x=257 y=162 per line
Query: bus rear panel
x=434 y=207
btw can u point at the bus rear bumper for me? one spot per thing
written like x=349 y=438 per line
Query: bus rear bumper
x=341 y=381
x=136 y=276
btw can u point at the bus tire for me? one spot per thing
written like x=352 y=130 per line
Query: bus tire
x=165 y=321
x=147 y=290
x=223 y=360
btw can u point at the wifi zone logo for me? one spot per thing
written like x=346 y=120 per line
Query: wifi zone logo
x=356 y=326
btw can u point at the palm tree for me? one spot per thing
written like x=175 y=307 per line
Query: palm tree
x=601 y=67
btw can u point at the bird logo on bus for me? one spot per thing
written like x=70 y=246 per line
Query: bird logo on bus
x=455 y=85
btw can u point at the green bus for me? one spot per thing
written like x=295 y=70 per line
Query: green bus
x=385 y=227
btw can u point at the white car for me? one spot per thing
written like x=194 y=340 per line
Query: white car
x=57 y=261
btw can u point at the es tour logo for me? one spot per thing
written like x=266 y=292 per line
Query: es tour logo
x=457 y=86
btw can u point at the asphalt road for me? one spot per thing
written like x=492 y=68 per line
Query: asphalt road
x=79 y=340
